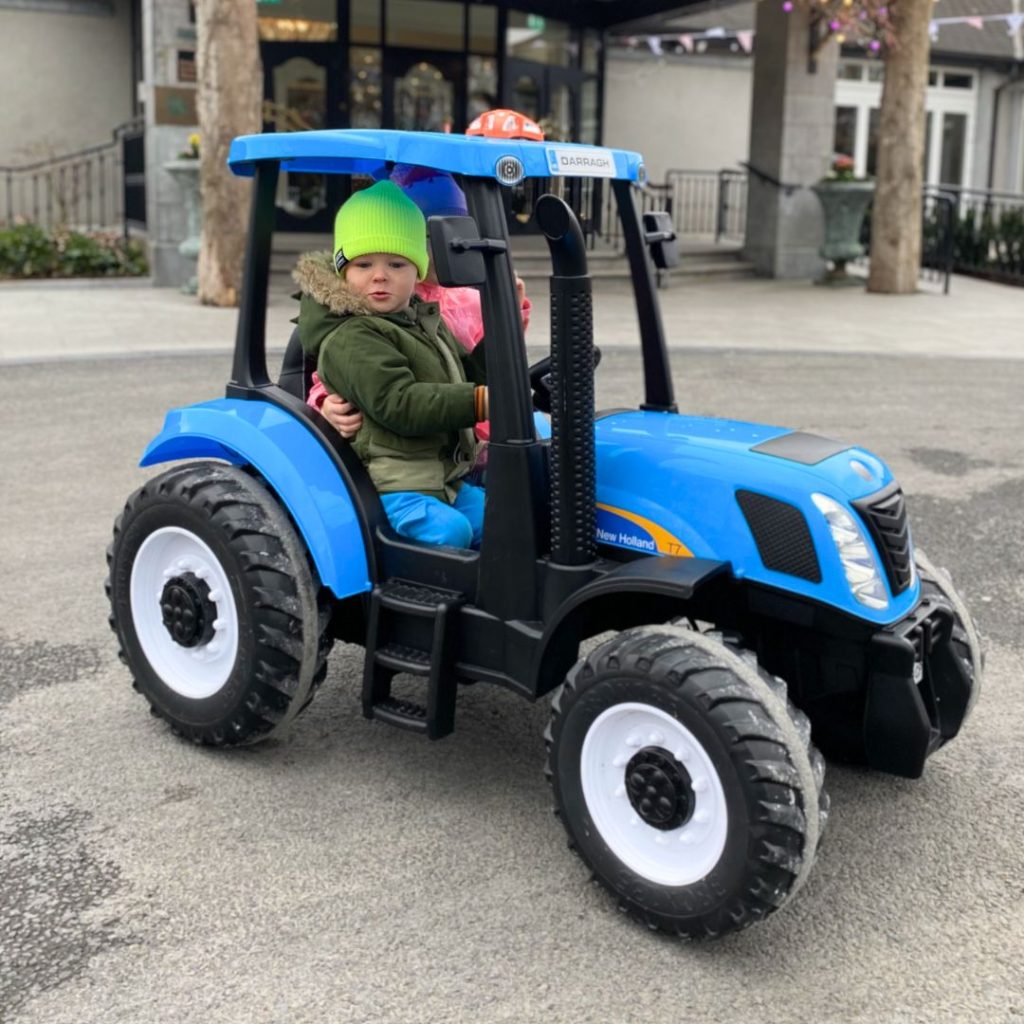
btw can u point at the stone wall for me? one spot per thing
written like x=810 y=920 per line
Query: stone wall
x=65 y=79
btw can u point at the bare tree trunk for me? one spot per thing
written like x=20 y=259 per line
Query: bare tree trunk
x=896 y=221
x=229 y=100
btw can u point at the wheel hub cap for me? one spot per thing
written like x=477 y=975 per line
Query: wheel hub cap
x=659 y=788
x=188 y=613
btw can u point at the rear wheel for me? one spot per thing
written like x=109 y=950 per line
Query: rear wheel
x=215 y=606
x=685 y=780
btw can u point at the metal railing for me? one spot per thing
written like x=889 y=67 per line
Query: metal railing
x=938 y=218
x=101 y=187
x=701 y=203
x=988 y=233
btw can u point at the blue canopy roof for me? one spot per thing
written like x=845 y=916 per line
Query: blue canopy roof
x=355 y=151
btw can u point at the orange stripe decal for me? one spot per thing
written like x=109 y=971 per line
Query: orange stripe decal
x=665 y=542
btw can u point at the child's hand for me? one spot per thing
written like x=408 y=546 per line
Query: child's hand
x=342 y=415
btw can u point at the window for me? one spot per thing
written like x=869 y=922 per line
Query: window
x=845 y=140
x=424 y=100
x=872 y=161
x=933 y=78
x=544 y=40
x=483 y=29
x=876 y=72
x=954 y=138
x=591 y=50
x=306 y=21
x=957 y=81
x=426 y=24
x=850 y=72
x=364 y=22
x=103 y=8
x=364 y=88
x=482 y=80
x=588 y=115
x=927 y=142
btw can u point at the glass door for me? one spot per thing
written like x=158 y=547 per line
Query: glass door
x=551 y=96
x=424 y=91
x=300 y=90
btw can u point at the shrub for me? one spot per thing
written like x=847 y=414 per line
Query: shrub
x=26 y=250
x=990 y=241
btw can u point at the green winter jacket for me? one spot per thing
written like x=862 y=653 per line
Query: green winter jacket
x=404 y=371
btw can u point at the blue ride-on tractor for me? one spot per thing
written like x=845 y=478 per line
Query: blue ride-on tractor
x=758 y=588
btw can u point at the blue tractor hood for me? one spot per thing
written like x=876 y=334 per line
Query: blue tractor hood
x=683 y=485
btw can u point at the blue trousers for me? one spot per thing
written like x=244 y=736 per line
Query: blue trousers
x=431 y=521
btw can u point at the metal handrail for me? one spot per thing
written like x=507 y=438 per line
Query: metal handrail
x=83 y=189
x=115 y=138
x=769 y=179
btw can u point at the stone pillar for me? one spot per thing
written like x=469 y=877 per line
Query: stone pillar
x=169 y=99
x=791 y=137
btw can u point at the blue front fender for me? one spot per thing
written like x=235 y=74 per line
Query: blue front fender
x=293 y=462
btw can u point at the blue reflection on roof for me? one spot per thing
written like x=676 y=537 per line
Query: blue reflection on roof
x=354 y=151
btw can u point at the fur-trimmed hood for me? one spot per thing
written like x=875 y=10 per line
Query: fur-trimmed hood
x=316 y=276
x=326 y=300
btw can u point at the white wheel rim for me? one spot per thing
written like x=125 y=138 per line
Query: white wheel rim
x=674 y=857
x=194 y=672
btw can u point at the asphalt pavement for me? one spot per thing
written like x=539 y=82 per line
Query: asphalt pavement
x=348 y=872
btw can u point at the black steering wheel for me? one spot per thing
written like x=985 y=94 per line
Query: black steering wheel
x=540 y=380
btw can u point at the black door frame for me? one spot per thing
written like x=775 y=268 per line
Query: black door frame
x=548 y=77
x=330 y=57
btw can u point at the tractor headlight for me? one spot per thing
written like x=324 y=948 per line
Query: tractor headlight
x=859 y=563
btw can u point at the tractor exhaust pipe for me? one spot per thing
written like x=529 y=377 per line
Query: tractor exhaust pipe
x=572 y=387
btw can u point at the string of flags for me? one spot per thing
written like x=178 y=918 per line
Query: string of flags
x=1013 y=20
x=688 y=41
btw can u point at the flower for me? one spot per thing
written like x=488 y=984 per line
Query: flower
x=192 y=153
x=842 y=168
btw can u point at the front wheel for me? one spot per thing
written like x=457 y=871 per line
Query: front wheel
x=215 y=606
x=685 y=780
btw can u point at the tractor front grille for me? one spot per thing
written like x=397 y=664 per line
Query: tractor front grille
x=886 y=516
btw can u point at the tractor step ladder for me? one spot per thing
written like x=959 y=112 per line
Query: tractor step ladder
x=392 y=603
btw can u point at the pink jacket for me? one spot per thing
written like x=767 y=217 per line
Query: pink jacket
x=460 y=308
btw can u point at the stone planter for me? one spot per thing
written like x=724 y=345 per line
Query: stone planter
x=186 y=174
x=844 y=204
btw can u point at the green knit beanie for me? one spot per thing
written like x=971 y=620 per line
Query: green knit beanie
x=381 y=218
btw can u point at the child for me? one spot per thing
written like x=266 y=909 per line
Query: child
x=436 y=194
x=393 y=356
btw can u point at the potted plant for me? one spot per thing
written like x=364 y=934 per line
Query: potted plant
x=844 y=199
x=185 y=171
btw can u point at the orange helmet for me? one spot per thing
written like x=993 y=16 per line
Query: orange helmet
x=505 y=124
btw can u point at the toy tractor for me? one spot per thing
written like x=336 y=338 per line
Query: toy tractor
x=757 y=585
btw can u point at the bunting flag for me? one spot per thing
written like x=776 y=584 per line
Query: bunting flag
x=691 y=42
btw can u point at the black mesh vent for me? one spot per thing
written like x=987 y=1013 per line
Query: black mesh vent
x=886 y=516
x=783 y=538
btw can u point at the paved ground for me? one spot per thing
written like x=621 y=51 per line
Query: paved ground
x=978 y=320
x=349 y=872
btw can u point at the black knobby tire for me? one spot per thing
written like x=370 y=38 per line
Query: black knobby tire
x=728 y=720
x=217 y=522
